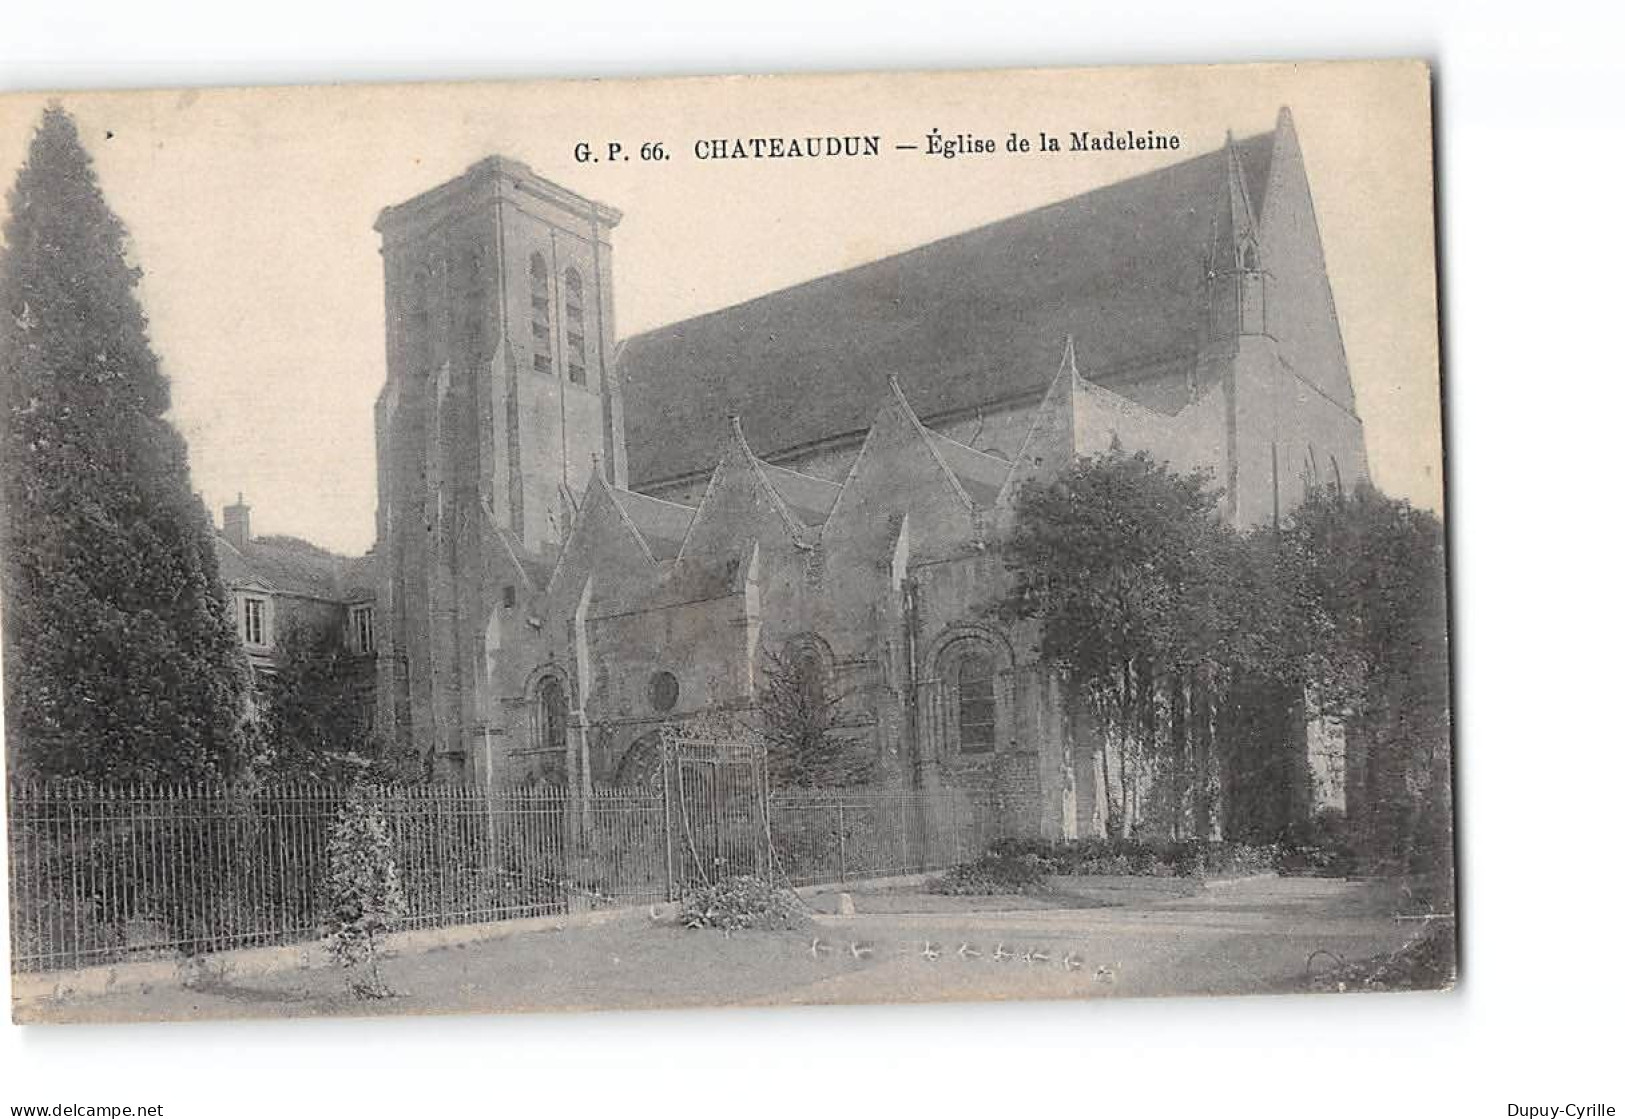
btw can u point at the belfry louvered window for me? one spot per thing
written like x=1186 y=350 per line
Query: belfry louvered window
x=541 y=316
x=575 y=326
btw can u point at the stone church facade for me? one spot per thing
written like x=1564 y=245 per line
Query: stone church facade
x=581 y=539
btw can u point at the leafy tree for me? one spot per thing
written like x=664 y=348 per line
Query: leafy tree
x=121 y=658
x=1131 y=571
x=1373 y=567
x=801 y=724
x=312 y=723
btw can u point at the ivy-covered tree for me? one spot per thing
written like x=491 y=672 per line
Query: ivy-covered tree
x=121 y=662
x=1374 y=568
x=365 y=901
x=312 y=721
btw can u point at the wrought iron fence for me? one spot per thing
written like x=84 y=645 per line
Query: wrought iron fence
x=103 y=874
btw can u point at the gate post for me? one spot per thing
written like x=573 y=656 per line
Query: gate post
x=665 y=808
x=840 y=836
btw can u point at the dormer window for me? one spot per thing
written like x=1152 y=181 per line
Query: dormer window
x=254 y=620
x=361 y=636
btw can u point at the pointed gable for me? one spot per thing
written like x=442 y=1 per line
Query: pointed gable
x=1078 y=418
x=902 y=471
x=606 y=546
x=662 y=524
x=1302 y=314
x=744 y=501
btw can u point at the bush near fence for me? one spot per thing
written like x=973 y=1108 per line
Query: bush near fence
x=1156 y=858
x=103 y=874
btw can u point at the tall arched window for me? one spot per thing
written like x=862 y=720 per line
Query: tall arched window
x=549 y=715
x=575 y=326
x=470 y=326
x=974 y=707
x=541 y=316
x=417 y=319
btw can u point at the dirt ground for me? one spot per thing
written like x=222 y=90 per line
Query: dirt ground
x=1251 y=937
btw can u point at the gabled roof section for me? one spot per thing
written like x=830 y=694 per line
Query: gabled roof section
x=532 y=568
x=605 y=542
x=809 y=498
x=662 y=524
x=896 y=418
x=1077 y=418
x=968 y=321
x=980 y=475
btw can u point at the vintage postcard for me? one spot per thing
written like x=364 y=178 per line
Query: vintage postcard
x=724 y=541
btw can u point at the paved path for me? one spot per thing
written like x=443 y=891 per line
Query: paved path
x=1251 y=937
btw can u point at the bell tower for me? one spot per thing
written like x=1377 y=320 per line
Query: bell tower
x=500 y=394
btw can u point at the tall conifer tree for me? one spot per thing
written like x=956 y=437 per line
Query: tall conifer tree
x=121 y=662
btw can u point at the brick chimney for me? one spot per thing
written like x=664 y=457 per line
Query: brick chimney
x=234 y=523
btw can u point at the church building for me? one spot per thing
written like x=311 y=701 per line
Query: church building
x=582 y=538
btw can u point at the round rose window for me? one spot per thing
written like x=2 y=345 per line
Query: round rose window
x=663 y=691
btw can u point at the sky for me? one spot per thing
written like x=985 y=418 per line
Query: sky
x=251 y=211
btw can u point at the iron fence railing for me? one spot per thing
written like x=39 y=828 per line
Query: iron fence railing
x=103 y=874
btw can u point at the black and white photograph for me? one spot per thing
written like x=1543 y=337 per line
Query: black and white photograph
x=1009 y=597
x=619 y=561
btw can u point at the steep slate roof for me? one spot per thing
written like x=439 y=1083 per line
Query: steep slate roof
x=963 y=322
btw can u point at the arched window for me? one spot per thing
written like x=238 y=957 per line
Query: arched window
x=472 y=326
x=1249 y=257
x=973 y=679
x=549 y=713
x=417 y=299
x=575 y=326
x=541 y=316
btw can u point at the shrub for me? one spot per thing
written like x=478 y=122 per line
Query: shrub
x=364 y=894
x=999 y=871
x=743 y=901
x=1427 y=963
x=1002 y=867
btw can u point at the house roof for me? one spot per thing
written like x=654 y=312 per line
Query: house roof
x=964 y=322
x=289 y=565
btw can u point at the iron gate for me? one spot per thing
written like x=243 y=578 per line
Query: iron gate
x=716 y=799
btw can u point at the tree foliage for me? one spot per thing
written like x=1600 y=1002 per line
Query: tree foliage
x=1375 y=567
x=1203 y=653
x=1132 y=573
x=121 y=658
x=312 y=721
x=801 y=723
